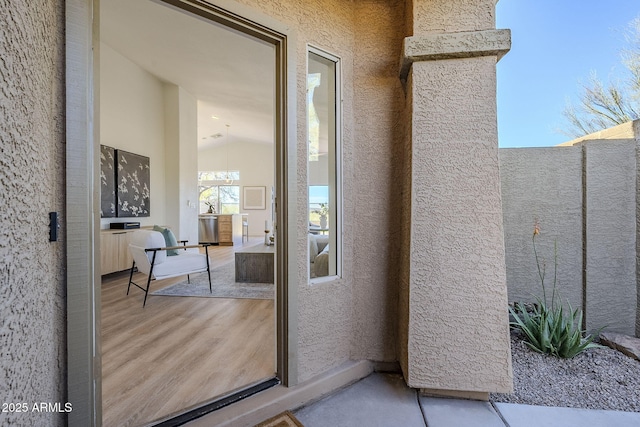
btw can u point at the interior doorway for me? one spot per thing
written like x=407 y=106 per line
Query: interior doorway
x=184 y=88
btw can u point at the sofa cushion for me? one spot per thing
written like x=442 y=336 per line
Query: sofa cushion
x=321 y=264
x=322 y=241
x=313 y=248
x=185 y=263
x=325 y=250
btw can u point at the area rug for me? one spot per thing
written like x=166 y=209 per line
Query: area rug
x=285 y=419
x=223 y=285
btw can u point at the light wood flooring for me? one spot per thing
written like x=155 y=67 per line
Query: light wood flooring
x=178 y=352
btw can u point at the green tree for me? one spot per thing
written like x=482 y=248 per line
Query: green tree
x=601 y=106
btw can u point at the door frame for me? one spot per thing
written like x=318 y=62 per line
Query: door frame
x=82 y=223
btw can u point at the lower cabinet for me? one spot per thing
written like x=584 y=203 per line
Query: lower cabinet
x=225 y=229
x=230 y=230
x=114 y=251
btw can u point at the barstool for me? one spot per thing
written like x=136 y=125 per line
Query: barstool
x=245 y=228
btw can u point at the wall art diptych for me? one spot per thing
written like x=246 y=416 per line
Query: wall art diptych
x=124 y=184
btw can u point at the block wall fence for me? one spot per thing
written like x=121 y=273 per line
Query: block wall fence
x=584 y=199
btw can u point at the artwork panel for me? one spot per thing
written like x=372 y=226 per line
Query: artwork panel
x=254 y=198
x=133 y=185
x=107 y=182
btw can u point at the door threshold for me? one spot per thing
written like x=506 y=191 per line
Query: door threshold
x=227 y=400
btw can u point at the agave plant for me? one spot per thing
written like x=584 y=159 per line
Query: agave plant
x=551 y=329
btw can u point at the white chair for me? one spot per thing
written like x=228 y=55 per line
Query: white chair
x=150 y=256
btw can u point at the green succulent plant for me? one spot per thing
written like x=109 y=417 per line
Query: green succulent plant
x=551 y=329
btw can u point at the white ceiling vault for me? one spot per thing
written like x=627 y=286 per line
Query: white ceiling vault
x=231 y=74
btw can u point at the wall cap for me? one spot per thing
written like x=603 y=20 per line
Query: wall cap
x=468 y=44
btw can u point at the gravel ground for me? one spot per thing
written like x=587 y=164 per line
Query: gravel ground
x=599 y=378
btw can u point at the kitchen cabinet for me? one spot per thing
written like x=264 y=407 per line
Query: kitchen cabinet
x=230 y=229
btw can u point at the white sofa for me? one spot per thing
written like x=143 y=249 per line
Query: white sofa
x=318 y=255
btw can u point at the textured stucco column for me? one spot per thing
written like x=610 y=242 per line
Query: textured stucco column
x=456 y=328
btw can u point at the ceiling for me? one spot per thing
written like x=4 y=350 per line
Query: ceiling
x=231 y=74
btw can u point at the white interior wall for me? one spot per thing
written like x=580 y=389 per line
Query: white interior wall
x=132 y=119
x=172 y=155
x=256 y=166
x=181 y=174
x=188 y=177
x=141 y=114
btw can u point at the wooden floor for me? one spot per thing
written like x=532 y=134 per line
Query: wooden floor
x=178 y=352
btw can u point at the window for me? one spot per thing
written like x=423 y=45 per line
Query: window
x=218 y=176
x=318 y=200
x=323 y=133
x=217 y=192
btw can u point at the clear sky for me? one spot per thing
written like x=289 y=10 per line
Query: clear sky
x=555 y=44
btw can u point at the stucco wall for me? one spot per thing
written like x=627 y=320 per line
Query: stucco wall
x=378 y=103
x=32 y=287
x=457 y=329
x=629 y=130
x=450 y=16
x=324 y=310
x=585 y=198
x=405 y=235
x=352 y=317
x=637 y=156
x=611 y=235
x=458 y=334
x=542 y=185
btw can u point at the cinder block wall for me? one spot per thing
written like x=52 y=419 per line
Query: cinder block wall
x=543 y=185
x=610 y=202
x=584 y=198
x=637 y=156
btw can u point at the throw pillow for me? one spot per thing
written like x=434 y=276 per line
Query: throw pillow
x=169 y=240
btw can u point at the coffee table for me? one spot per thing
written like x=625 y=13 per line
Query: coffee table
x=255 y=264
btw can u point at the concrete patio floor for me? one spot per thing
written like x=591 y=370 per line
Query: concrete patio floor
x=384 y=400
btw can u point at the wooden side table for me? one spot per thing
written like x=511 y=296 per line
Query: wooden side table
x=255 y=264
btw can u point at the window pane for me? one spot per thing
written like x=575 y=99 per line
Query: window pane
x=229 y=193
x=318 y=198
x=226 y=208
x=223 y=175
x=322 y=127
x=217 y=177
x=208 y=194
x=222 y=198
x=229 y=199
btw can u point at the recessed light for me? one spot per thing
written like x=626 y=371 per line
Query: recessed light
x=215 y=117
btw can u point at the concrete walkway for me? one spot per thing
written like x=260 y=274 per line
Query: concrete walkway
x=384 y=400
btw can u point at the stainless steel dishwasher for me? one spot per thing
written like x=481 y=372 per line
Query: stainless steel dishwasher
x=207 y=229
